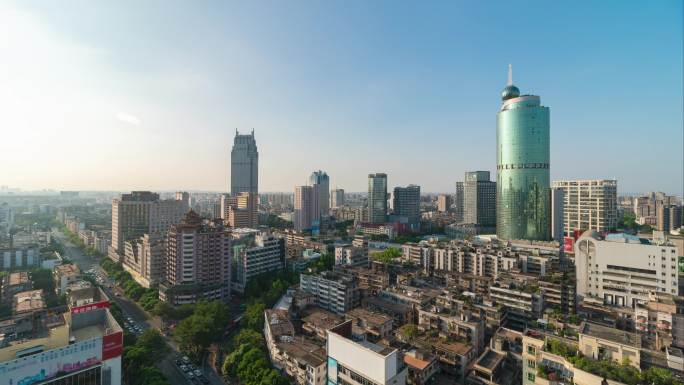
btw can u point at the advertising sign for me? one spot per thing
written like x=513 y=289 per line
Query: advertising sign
x=89 y=307
x=52 y=363
x=112 y=345
x=569 y=244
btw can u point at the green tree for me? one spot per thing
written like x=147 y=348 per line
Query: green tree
x=194 y=334
x=254 y=316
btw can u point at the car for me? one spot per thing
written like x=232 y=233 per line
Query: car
x=197 y=372
x=184 y=368
x=192 y=367
x=178 y=363
x=186 y=359
x=204 y=380
x=190 y=375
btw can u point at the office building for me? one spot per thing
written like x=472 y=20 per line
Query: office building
x=265 y=254
x=377 y=198
x=142 y=212
x=444 y=203
x=523 y=196
x=198 y=261
x=20 y=257
x=557 y=214
x=245 y=212
x=621 y=269
x=332 y=291
x=244 y=165
x=406 y=203
x=479 y=199
x=458 y=203
x=337 y=198
x=669 y=217
x=306 y=214
x=588 y=205
x=80 y=346
x=359 y=362
x=320 y=178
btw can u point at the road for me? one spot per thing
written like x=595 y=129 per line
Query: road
x=133 y=310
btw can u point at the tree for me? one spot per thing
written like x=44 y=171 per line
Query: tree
x=194 y=334
x=388 y=255
x=249 y=336
x=254 y=316
x=151 y=339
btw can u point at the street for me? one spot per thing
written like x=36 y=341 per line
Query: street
x=139 y=315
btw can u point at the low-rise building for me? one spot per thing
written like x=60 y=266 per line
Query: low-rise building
x=28 y=302
x=422 y=366
x=361 y=362
x=64 y=275
x=316 y=322
x=374 y=326
x=661 y=320
x=14 y=283
x=334 y=292
x=265 y=254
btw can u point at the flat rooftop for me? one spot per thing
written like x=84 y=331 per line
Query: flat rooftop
x=68 y=269
x=27 y=301
x=304 y=350
x=320 y=318
x=18 y=278
x=368 y=316
x=490 y=360
x=610 y=334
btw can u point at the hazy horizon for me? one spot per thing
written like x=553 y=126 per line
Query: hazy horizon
x=127 y=96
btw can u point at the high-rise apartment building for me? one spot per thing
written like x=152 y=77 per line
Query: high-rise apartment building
x=142 y=212
x=198 y=261
x=479 y=199
x=588 y=205
x=265 y=254
x=621 y=269
x=443 y=203
x=244 y=165
x=377 y=198
x=321 y=179
x=669 y=217
x=406 y=203
x=337 y=198
x=523 y=196
x=458 y=203
x=306 y=214
x=145 y=259
x=557 y=214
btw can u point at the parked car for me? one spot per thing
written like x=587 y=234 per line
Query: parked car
x=197 y=372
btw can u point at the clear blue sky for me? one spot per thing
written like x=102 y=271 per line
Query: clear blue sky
x=132 y=95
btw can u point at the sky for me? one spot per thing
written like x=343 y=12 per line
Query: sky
x=130 y=95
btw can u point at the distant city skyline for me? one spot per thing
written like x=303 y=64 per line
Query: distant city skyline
x=97 y=98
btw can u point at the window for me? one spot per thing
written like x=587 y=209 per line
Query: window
x=531 y=350
x=530 y=377
x=531 y=364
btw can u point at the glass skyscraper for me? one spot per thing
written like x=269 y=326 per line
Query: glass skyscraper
x=523 y=195
x=244 y=165
x=377 y=198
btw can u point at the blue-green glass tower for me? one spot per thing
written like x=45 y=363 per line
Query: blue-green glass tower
x=523 y=195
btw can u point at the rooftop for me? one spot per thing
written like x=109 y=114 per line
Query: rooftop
x=27 y=301
x=68 y=269
x=610 y=334
x=305 y=351
x=368 y=316
x=320 y=318
x=18 y=278
x=279 y=322
x=490 y=360
x=419 y=359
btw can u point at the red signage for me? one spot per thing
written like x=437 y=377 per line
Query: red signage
x=569 y=244
x=112 y=345
x=89 y=307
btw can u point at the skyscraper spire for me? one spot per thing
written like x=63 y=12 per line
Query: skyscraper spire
x=510 y=74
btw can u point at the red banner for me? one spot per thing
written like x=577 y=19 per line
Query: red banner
x=569 y=244
x=112 y=345
x=89 y=307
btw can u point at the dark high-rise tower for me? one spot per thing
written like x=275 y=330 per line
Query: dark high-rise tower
x=523 y=196
x=244 y=165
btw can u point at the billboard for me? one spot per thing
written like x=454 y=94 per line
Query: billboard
x=89 y=307
x=112 y=345
x=52 y=363
x=569 y=244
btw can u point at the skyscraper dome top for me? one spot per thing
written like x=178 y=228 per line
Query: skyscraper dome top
x=510 y=92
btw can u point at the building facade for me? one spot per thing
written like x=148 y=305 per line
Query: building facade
x=523 y=206
x=479 y=199
x=621 y=270
x=321 y=179
x=266 y=254
x=377 y=198
x=588 y=205
x=244 y=165
x=337 y=198
x=198 y=262
x=406 y=203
